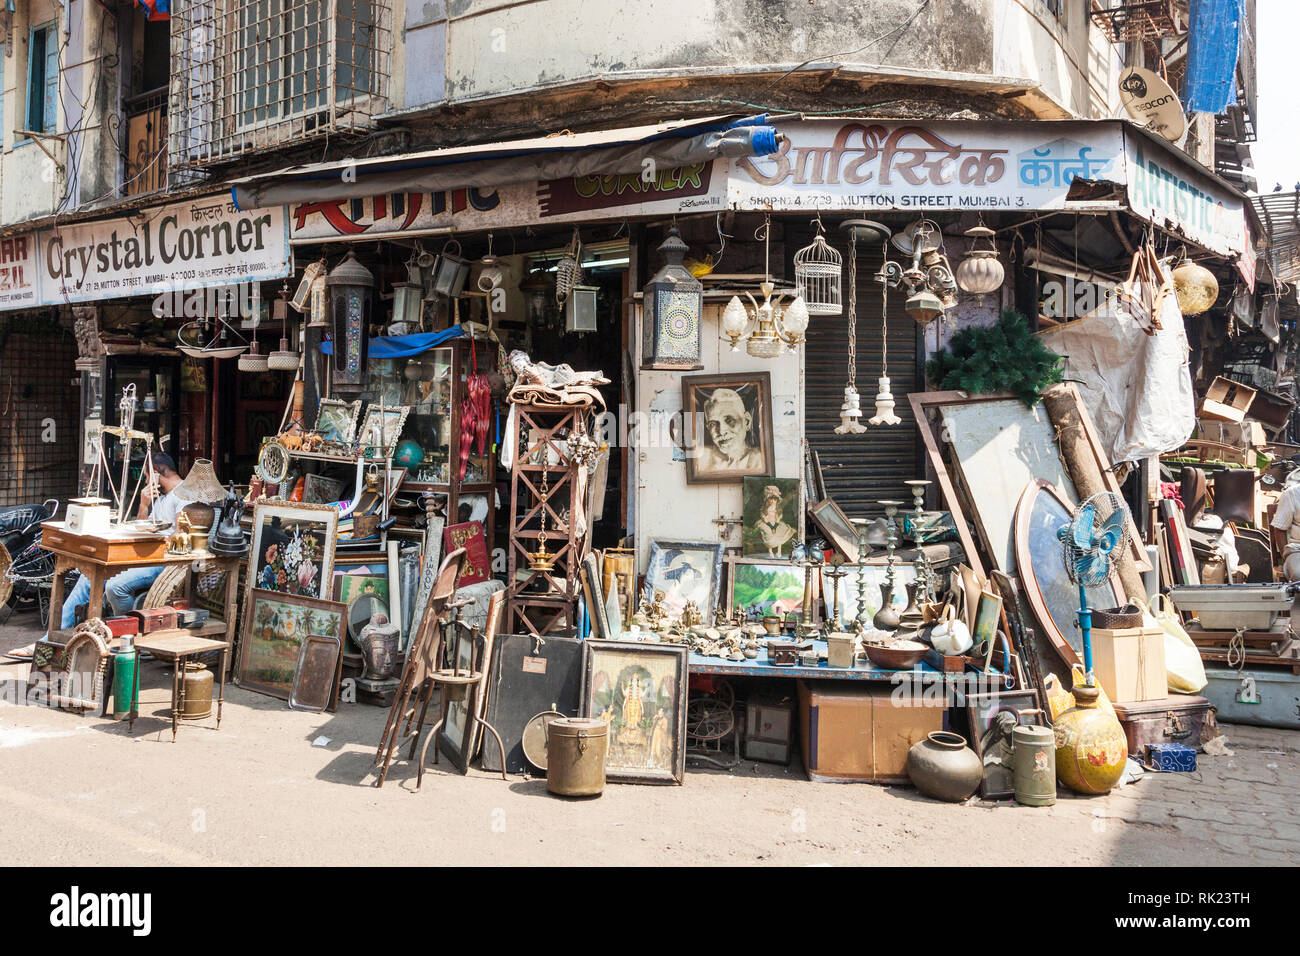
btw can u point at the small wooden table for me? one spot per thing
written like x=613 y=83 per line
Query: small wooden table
x=100 y=556
x=176 y=646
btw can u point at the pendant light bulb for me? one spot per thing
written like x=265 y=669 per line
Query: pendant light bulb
x=850 y=413
x=884 y=405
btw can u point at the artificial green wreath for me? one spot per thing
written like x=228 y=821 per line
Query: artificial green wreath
x=1003 y=357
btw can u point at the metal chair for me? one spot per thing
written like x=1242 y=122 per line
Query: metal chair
x=415 y=670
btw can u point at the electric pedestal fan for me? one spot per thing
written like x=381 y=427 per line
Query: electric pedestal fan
x=1095 y=530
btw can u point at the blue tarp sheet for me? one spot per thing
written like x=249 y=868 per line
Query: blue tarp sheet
x=1212 y=40
x=403 y=346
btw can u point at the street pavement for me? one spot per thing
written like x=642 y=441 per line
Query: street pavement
x=268 y=789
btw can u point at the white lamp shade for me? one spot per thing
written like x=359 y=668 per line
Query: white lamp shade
x=795 y=319
x=734 y=318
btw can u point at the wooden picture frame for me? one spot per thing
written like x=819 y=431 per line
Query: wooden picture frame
x=394 y=419
x=926 y=403
x=982 y=711
x=790 y=585
x=672 y=568
x=78 y=684
x=595 y=598
x=831 y=521
x=734 y=440
x=336 y=420
x=770 y=513
x=314 y=527
x=1036 y=557
x=640 y=691
x=274 y=628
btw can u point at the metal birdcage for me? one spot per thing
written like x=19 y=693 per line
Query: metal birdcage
x=817 y=272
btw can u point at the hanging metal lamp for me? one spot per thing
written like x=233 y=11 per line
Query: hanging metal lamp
x=980 y=273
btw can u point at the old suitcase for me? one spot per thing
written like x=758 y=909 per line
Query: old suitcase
x=1179 y=719
x=155 y=619
x=529 y=675
x=855 y=734
x=119 y=626
x=1264 y=698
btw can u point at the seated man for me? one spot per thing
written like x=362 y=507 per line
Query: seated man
x=158 y=503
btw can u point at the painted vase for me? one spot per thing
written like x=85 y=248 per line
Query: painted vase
x=886 y=619
x=1091 y=749
x=943 y=767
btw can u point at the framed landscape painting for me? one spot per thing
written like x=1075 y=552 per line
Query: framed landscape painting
x=275 y=627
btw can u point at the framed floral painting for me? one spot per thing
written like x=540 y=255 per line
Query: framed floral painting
x=275 y=627
x=293 y=548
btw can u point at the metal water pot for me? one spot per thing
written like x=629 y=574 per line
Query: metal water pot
x=1034 y=759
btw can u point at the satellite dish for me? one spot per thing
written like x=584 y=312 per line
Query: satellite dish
x=1152 y=103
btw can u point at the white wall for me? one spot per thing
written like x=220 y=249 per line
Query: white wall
x=666 y=506
x=30 y=185
x=1076 y=66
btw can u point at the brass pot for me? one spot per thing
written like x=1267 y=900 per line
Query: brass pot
x=575 y=756
x=197 y=684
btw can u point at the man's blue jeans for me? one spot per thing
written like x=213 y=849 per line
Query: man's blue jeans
x=119 y=591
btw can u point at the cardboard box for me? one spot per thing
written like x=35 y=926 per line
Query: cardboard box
x=1130 y=663
x=861 y=734
x=1226 y=400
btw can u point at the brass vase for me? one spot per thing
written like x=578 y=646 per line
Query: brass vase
x=886 y=619
x=1091 y=749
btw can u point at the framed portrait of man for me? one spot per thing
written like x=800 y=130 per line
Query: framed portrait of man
x=727 y=426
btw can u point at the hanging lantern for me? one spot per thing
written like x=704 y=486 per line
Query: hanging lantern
x=283 y=359
x=538 y=296
x=450 y=271
x=580 y=310
x=302 y=297
x=349 y=287
x=924 y=306
x=980 y=272
x=1196 y=287
x=408 y=308
x=817 y=272
x=672 y=305
x=319 y=312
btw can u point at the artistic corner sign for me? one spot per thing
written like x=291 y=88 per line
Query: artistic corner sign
x=849 y=166
x=199 y=244
x=1178 y=197
x=955 y=166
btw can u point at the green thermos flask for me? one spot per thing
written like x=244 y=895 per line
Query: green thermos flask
x=125 y=662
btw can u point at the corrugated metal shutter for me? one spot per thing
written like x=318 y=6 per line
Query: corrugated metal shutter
x=862 y=469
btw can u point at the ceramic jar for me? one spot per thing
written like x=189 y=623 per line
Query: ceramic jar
x=943 y=767
x=1091 y=749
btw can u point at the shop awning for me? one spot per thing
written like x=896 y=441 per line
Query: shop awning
x=404 y=346
x=558 y=156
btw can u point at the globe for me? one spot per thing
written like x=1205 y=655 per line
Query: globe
x=409 y=454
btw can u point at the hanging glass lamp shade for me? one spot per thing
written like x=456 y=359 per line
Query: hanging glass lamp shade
x=408 y=306
x=253 y=360
x=672 y=306
x=1195 y=286
x=924 y=306
x=980 y=272
x=302 y=297
x=350 y=286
